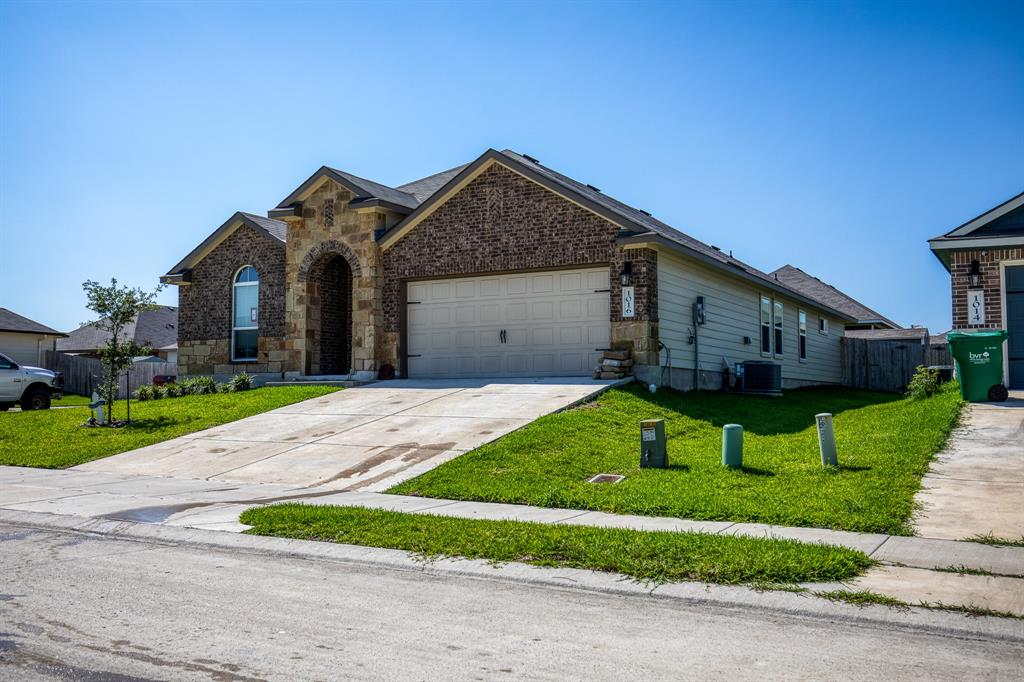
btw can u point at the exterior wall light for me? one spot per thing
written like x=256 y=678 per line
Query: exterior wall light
x=627 y=272
x=974 y=276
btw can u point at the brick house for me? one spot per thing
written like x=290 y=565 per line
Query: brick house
x=502 y=267
x=985 y=260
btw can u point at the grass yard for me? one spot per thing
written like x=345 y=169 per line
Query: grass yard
x=647 y=556
x=884 y=441
x=53 y=439
x=70 y=399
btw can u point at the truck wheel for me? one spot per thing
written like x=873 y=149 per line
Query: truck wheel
x=35 y=399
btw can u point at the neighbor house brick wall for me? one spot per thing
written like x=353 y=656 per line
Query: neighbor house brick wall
x=989 y=262
x=500 y=222
x=204 y=314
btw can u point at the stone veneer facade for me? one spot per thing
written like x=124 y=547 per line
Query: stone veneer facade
x=499 y=222
x=989 y=264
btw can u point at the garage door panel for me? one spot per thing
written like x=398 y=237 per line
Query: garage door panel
x=553 y=322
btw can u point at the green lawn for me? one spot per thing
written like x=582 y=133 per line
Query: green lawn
x=647 y=556
x=884 y=441
x=54 y=439
x=71 y=399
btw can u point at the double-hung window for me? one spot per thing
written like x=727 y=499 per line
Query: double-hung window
x=766 y=325
x=802 y=330
x=245 y=307
x=777 y=317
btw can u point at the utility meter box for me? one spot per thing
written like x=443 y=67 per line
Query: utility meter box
x=653 y=450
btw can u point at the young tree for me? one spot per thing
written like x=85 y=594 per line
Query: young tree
x=117 y=307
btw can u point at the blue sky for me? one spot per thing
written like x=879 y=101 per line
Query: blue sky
x=837 y=137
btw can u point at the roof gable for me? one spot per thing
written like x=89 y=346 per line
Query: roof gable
x=11 y=321
x=971 y=227
x=157 y=327
x=361 y=187
x=276 y=230
x=813 y=287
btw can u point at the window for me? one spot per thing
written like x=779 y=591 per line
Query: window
x=7 y=363
x=822 y=325
x=766 y=325
x=778 y=327
x=802 y=329
x=245 y=315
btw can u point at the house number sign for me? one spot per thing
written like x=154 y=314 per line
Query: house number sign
x=976 y=306
x=628 y=302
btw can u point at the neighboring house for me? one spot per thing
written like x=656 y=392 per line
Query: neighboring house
x=813 y=287
x=985 y=260
x=499 y=268
x=157 y=328
x=25 y=341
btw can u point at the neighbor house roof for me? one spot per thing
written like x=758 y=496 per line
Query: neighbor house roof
x=811 y=286
x=13 y=322
x=156 y=328
x=268 y=227
x=997 y=227
x=910 y=333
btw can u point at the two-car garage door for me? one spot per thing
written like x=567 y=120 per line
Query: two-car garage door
x=523 y=324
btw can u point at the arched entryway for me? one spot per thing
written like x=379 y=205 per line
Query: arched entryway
x=329 y=316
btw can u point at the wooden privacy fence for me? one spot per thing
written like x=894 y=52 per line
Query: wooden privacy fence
x=82 y=375
x=881 y=364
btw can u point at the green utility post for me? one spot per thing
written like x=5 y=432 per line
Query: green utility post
x=732 y=446
x=653 y=450
x=826 y=440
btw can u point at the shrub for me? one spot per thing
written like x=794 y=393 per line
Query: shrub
x=224 y=388
x=924 y=383
x=159 y=392
x=174 y=390
x=144 y=393
x=241 y=382
x=199 y=386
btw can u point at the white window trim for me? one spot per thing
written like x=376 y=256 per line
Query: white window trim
x=760 y=325
x=234 y=285
x=780 y=326
x=801 y=333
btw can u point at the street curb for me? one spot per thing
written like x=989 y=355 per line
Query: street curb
x=689 y=594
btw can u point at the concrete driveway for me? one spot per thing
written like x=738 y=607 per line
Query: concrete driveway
x=976 y=484
x=366 y=438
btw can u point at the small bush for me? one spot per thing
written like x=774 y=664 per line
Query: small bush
x=924 y=383
x=241 y=382
x=224 y=388
x=159 y=392
x=144 y=393
x=199 y=386
x=174 y=390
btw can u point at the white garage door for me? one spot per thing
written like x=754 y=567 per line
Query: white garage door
x=24 y=349
x=527 y=324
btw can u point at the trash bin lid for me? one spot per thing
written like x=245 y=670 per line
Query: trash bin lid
x=981 y=334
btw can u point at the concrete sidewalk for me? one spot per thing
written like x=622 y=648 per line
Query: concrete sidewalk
x=975 y=486
x=907 y=570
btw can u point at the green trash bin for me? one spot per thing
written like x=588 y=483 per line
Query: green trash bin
x=979 y=364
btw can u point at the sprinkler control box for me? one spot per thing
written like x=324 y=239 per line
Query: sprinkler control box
x=653 y=449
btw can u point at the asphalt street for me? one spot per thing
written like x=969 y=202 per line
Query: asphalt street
x=94 y=608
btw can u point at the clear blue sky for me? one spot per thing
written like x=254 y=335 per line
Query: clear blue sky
x=837 y=137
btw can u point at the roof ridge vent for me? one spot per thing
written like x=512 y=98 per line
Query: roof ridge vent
x=529 y=158
x=596 y=189
x=646 y=213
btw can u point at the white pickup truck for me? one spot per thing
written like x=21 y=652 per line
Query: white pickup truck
x=30 y=387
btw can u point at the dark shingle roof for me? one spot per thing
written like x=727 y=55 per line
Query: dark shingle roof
x=157 y=328
x=275 y=228
x=377 y=190
x=912 y=333
x=812 y=287
x=13 y=322
x=423 y=188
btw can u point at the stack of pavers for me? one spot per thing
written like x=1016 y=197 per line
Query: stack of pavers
x=615 y=364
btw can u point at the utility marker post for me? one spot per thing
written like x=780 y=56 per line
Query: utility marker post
x=826 y=440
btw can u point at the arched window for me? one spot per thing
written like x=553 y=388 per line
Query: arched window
x=245 y=314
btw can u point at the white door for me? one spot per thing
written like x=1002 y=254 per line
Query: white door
x=525 y=324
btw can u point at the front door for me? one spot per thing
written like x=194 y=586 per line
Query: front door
x=1015 y=324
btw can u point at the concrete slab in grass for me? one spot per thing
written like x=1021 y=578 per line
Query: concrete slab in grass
x=439 y=433
x=928 y=553
x=656 y=523
x=398 y=503
x=864 y=542
x=916 y=585
x=503 y=512
x=957 y=509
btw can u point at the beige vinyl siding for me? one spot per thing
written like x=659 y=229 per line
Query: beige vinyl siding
x=732 y=309
x=25 y=349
